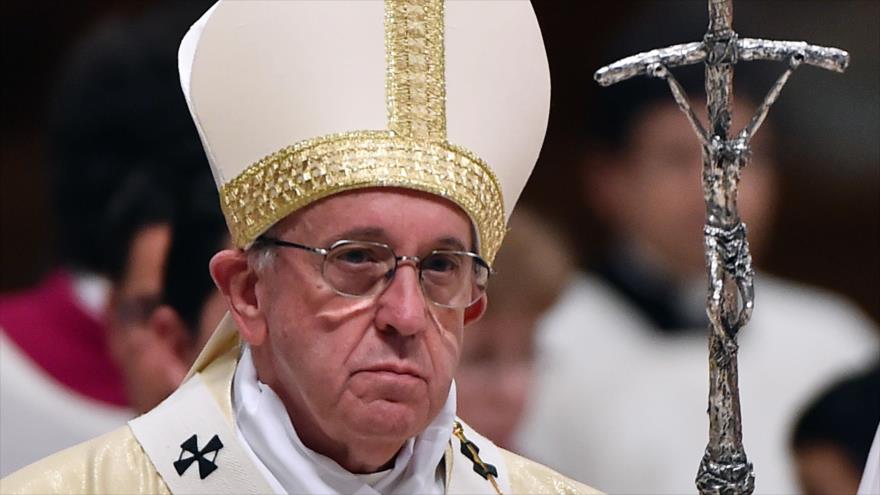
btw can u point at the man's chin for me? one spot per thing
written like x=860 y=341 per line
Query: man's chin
x=392 y=420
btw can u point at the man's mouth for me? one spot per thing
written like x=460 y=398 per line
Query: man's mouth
x=392 y=369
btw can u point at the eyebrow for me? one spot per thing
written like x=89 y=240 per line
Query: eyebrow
x=376 y=234
x=452 y=242
x=364 y=233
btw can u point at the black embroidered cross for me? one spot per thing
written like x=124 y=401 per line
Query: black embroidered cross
x=191 y=445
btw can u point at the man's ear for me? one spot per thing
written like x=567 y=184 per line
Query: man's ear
x=476 y=310
x=237 y=282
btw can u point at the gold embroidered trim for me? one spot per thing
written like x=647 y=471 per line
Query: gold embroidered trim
x=415 y=81
x=458 y=431
x=301 y=174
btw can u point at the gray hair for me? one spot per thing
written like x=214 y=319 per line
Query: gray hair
x=260 y=256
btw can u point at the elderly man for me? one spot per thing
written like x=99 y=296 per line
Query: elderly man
x=364 y=245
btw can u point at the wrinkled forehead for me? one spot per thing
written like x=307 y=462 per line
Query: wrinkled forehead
x=392 y=215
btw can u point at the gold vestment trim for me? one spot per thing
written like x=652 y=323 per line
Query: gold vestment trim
x=415 y=83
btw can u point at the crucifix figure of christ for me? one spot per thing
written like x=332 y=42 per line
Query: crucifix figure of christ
x=725 y=468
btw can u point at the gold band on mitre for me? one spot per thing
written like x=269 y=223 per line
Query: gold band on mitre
x=413 y=154
x=301 y=174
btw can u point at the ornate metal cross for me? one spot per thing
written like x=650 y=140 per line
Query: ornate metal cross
x=724 y=469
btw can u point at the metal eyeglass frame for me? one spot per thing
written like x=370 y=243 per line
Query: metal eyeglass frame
x=389 y=276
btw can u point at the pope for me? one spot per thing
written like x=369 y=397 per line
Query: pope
x=367 y=155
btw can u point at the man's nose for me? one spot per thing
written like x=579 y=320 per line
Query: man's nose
x=402 y=305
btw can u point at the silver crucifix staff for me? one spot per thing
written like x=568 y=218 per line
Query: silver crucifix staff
x=724 y=468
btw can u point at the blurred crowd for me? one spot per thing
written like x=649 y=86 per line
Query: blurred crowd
x=597 y=369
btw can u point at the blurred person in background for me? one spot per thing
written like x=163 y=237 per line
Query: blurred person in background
x=157 y=335
x=832 y=437
x=621 y=397
x=139 y=218
x=495 y=375
x=120 y=138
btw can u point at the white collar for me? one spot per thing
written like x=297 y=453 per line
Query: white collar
x=91 y=292
x=263 y=424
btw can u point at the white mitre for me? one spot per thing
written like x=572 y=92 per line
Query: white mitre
x=299 y=100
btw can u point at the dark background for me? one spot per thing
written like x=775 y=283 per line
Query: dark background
x=828 y=227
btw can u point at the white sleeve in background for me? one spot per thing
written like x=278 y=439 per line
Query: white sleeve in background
x=870 y=484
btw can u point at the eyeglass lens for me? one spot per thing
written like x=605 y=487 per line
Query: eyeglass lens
x=448 y=278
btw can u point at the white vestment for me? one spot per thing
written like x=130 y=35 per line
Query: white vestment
x=870 y=484
x=625 y=407
x=39 y=416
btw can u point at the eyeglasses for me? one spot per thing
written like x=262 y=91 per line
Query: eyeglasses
x=452 y=279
